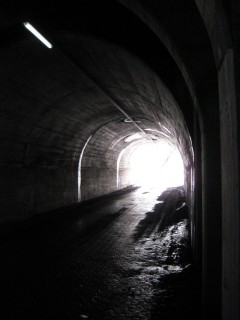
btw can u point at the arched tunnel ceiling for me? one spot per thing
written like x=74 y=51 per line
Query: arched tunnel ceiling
x=153 y=58
x=134 y=28
x=58 y=107
x=105 y=59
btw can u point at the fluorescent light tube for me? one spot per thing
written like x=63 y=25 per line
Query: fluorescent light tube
x=37 y=34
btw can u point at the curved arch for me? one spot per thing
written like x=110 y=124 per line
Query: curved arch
x=153 y=23
x=215 y=23
x=47 y=119
x=218 y=30
x=80 y=168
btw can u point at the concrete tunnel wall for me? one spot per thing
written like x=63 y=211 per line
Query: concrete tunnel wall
x=220 y=291
x=149 y=101
x=195 y=52
x=59 y=110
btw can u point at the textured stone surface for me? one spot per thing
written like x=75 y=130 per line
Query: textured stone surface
x=47 y=122
x=49 y=109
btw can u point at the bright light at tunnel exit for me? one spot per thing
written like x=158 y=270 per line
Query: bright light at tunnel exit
x=156 y=165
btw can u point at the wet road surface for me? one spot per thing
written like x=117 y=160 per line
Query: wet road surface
x=120 y=257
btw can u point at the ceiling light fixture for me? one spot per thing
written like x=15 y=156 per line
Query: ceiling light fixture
x=126 y=120
x=37 y=34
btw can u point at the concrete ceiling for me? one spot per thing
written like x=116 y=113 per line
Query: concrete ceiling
x=111 y=61
x=55 y=106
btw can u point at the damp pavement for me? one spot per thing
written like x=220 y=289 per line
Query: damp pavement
x=126 y=256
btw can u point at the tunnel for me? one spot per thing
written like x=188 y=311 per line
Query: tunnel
x=86 y=145
x=115 y=77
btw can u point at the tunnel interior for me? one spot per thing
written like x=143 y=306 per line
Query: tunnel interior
x=76 y=117
x=120 y=78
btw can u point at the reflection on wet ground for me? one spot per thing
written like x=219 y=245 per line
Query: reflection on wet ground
x=120 y=257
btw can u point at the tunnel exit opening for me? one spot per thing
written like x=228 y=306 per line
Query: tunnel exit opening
x=156 y=165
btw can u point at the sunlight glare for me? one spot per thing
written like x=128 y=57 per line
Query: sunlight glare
x=156 y=165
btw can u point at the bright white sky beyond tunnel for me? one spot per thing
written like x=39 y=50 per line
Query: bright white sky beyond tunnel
x=156 y=165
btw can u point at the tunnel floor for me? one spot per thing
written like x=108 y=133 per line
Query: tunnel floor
x=129 y=259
